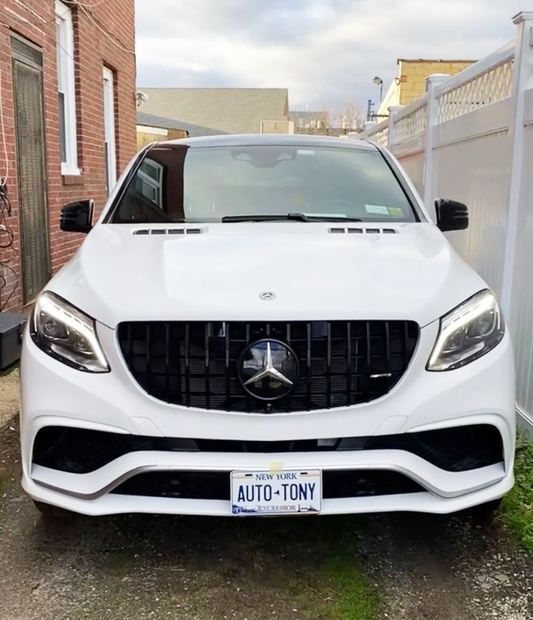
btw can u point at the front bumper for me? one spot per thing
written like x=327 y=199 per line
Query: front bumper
x=56 y=395
x=90 y=493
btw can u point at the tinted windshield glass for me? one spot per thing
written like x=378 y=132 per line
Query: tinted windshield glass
x=178 y=183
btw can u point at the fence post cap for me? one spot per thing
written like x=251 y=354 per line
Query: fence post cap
x=437 y=78
x=523 y=16
x=395 y=108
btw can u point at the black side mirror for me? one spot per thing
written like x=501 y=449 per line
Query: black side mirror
x=77 y=216
x=451 y=215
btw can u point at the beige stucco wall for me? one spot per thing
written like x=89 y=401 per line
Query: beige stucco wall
x=410 y=84
x=413 y=76
x=147 y=135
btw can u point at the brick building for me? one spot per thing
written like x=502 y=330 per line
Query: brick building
x=67 y=78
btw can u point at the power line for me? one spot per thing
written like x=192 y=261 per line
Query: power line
x=5 y=212
x=91 y=6
x=86 y=10
x=48 y=37
x=42 y=19
x=4 y=177
x=5 y=229
x=107 y=34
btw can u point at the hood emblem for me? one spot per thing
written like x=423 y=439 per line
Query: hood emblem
x=268 y=369
x=267 y=296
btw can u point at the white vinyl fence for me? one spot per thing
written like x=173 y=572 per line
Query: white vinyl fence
x=470 y=138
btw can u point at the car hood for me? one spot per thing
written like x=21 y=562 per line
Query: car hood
x=220 y=270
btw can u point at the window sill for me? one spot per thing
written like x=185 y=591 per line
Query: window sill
x=67 y=170
x=72 y=178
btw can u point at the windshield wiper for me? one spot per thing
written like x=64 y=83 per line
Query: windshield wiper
x=295 y=217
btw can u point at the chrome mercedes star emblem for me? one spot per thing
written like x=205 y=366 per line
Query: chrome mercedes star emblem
x=267 y=296
x=268 y=369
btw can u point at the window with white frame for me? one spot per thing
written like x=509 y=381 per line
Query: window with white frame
x=66 y=89
x=109 y=129
x=149 y=181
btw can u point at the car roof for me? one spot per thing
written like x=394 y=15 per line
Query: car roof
x=272 y=140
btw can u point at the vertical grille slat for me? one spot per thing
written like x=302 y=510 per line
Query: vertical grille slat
x=187 y=364
x=387 y=354
x=195 y=364
x=368 y=360
x=328 y=365
x=309 y=362
x=288 y=341
x=129 y=350
x=227 y=343
x=148 y=345
x=167 y=362
x=406 y=344
x=348 y=362
x=207 y=366
x=248 y=339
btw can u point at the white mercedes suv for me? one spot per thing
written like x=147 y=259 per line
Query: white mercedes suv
x=266 y=325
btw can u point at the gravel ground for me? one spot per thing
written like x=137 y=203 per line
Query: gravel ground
x=136 y=567
x=9 y=396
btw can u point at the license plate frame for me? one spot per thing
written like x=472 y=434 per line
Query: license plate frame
x=303 y=484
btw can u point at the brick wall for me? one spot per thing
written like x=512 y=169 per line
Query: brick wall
x=104 y=35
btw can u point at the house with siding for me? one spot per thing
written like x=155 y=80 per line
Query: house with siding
x=155 y=129
x=310 y=121
x=213 y=111
x=67 y=109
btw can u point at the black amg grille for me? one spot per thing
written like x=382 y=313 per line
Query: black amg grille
x=195 y=364
x=81 y=451
x=216 y=485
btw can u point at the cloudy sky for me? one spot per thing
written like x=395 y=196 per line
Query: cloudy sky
x=325 y=52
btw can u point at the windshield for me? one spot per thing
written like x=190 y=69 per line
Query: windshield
x=176 y=183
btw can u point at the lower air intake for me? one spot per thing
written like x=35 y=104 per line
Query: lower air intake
x=82 y=451
x=216 y=485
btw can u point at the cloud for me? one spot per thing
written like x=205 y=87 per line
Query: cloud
x=324 y=51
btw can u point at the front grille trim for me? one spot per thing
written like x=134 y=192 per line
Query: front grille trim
x=195 y=364
x=81 y=451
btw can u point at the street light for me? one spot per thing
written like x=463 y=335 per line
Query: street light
x=379 y=82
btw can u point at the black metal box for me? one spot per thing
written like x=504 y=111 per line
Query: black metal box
x=11 y=327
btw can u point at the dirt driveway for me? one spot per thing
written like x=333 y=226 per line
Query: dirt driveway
x=134 y=567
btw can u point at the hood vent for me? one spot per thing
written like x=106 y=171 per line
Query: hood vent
x=363 y=231
x=169 y=231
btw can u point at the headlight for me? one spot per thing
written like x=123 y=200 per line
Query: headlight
x=67 y=334
x=468 y=332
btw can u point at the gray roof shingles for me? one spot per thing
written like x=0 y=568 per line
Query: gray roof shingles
x=212 y=111
x=195 y=131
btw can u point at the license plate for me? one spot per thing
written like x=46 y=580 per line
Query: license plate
x=285 y=492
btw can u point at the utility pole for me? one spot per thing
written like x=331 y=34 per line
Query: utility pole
x=369 y=113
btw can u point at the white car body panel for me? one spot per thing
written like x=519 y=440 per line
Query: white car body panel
x=218 y=275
